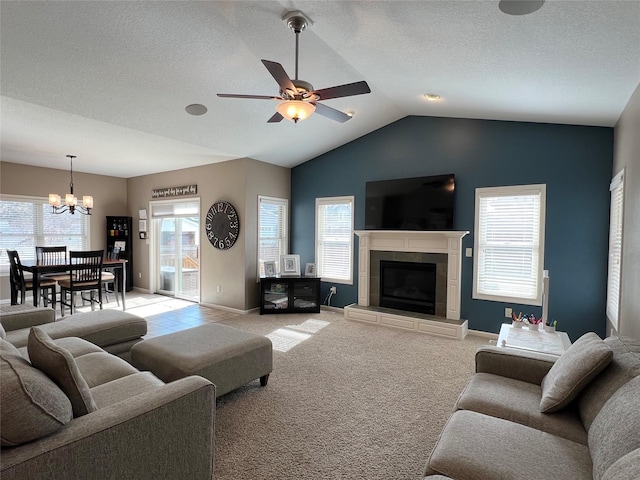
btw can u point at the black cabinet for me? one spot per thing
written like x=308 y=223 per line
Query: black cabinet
x=289 y=295
x=119 y=234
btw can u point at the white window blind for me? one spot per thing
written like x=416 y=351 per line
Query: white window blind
x=27 y=222
x=509 y=244
x=273 y=231
x=615 y=248
x=334 y=239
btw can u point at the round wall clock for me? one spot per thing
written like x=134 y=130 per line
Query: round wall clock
x=222 y=225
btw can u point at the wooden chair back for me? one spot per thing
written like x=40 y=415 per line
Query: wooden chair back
x=16 y=275
x=51 y=255
x=85 y=269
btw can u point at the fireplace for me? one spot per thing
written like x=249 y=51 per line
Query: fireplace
x=408 y=286
x=411 y=246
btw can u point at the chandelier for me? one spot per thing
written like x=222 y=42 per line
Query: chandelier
x=70 y=200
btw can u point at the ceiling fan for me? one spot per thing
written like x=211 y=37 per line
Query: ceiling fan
x=297 y=98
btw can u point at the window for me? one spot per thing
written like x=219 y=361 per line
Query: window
x=273 y=231
x=28 y=221
x=615 y=248
x=334 y=239
x=509 y=244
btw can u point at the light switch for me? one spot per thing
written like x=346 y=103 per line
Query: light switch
x=469 y=252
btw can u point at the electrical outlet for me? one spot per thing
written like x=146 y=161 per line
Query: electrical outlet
x=333 y=290
x=139 y=274
x=219 y=288
x=507 y=312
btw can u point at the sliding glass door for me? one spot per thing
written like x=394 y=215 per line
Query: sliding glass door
x=176 y=227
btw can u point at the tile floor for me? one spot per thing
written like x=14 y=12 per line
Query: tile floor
x=164 y=314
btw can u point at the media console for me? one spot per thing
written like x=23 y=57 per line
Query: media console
x=289 y=295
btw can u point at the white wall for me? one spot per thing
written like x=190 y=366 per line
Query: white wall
x=627 y=156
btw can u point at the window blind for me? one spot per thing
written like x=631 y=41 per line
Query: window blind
x=27 y=222
x=615 y=248
x=509 y=244
x=273 y=231
x=175 y=208
x=334 y=239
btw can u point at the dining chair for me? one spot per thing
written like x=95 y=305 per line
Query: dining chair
x=52 y=256
x=21 y=285
x=109 y=277
x=85 y=275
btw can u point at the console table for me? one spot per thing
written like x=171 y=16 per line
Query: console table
x=289 y=295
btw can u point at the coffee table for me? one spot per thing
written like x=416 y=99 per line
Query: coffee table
x=554 y=343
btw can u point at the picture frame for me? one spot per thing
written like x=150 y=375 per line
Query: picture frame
x=143 y=235
x=269 y=269
x=121 y=244
x=310 y=270
x=289 y=265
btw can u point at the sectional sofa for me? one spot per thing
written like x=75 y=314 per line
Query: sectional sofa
x=526 y=415
x=71 y=410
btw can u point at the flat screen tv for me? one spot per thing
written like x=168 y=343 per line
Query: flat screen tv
x=421 y=203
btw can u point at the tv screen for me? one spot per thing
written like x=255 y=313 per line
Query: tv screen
x=421 y=203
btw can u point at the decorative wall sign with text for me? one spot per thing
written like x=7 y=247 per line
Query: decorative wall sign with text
x=174 y=191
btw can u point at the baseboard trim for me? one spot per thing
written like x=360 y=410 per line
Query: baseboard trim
x=480 y=333
x=229 y=309
x=332 y=309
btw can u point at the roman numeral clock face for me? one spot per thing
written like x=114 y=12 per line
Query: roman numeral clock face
x=222 y=225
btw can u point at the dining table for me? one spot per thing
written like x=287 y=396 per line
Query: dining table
x=38 y=268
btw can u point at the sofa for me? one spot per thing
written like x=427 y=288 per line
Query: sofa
x=71 y=410
x=113 y=330
x=525 y=415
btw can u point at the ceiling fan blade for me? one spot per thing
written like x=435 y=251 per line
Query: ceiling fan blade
x=275 y=118
x=257 y=97
x=347 y=90
x=277 y=71
x=331 y=113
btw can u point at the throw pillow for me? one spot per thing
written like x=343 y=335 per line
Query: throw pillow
x=32 y=405
x=61 y=367
x=573 y=371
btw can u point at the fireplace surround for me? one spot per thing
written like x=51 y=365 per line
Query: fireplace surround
x=447 y=243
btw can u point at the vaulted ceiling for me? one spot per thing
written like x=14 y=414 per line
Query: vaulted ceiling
x=109 y=81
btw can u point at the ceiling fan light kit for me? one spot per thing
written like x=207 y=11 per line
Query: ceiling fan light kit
x=298 y=99
x=295 y=110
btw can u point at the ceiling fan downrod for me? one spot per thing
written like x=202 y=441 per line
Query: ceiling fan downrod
x=297 y=22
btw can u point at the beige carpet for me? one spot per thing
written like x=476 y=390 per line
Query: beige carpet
x=345 y=400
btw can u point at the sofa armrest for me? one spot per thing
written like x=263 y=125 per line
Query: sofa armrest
x=165 y=433
x=522 y=365
x=21 y=317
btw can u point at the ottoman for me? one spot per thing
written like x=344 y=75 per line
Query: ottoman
x=228 y=357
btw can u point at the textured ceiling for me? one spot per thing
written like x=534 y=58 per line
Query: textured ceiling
x=108 y=81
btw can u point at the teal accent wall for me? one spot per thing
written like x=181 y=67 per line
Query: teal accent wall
x=575 y=162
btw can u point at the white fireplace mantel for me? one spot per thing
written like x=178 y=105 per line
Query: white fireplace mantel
x=447 y=242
